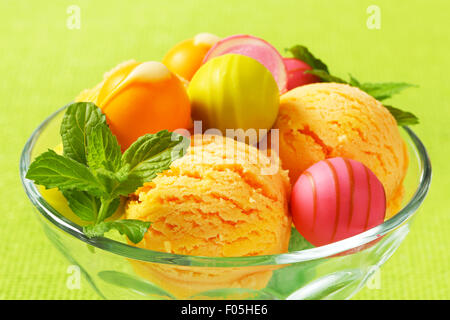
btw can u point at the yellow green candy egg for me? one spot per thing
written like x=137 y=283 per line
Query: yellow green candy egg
x=234 y=92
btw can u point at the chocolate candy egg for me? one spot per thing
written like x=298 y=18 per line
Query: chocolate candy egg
x=335 y=199
x=141 y=98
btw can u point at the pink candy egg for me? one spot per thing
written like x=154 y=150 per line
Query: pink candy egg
x=255 y=48
x=296 y=73
x=335 y=199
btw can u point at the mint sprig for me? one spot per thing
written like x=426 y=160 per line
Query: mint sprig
x=325 y=76
x=103 y=150
x=83 y=204
x=133 y=229
x=92 y=173
x=403 y=118
x=380 y=91
x=77 y=123
x=52 y=170
x=148 y=153
x=302 y=53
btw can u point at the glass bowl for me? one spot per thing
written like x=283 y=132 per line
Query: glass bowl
x=117 y=270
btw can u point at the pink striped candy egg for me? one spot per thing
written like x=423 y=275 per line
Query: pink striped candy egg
x=335 y=199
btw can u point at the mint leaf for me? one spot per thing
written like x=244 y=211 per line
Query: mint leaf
x=151 y=148
x=325 y=76
x=302 y=53
x=383 y=90
x=92 y=173
x=403 y=118
x=379 y=91
x=83 y=204
x=78 y=121
x=112 y=208
x=103 y=150
x=286 y=280
x=297 y=242
x=149 y=155
x=108 y=179
x=133 y=229
x=354 y=82
x=55 y=171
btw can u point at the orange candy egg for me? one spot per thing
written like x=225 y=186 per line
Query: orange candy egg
x=187 y=56
x=141 y=98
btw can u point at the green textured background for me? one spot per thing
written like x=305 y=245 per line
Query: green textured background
x=43 y=65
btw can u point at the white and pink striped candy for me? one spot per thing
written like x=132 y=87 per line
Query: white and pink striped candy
x=335 y=199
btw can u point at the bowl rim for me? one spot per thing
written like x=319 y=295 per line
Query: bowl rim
x=136 y=253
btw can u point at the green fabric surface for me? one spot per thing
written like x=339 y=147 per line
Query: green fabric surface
x=43 y=65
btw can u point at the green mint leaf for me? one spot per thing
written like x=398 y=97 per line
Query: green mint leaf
x=149 y=155
x=83 y=204
x=153 y=147
x=55 y=171
x=107 y=208
x=78 y=121
x=133 y=229
x=403 y=118
x=297 y=242
x=383 y=90
x=103 y=150
x=302 y=53
x=379 y=91
x=325 y=76
x=112 y=208
x=108 y=179
x=354 y=82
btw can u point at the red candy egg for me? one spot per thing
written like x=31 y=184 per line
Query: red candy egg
x=296 y=73
x=335 y=199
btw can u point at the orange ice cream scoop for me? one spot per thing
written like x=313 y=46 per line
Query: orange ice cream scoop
x=187 y=56
x=326 y=120
x=140 y=98
x=221 y=199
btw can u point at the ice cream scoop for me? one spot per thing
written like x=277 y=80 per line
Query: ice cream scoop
x=218 y=200
x=335 y=199
x=326 y=120
x=215 y=201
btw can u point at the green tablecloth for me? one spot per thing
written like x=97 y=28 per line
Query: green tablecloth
x=44 y=64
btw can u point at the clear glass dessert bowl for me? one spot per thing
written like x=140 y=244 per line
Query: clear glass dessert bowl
x=117 y=270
